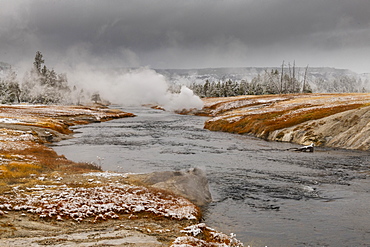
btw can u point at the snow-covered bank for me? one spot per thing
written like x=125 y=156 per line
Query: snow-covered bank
x=333 y=120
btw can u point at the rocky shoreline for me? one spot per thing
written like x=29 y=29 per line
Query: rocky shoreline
x=46 y=199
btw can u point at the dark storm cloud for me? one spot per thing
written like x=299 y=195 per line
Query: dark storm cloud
x=191 y=33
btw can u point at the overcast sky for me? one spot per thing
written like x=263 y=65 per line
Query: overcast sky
x=187 y=33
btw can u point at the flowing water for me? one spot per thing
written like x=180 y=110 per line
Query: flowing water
x=262 y=191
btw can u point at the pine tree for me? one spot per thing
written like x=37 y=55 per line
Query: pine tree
x=43 y=85
x=39 y=60
x=95 y=97
x=9 y=88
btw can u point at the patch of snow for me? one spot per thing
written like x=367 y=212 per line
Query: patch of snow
x=9 y=120
x=105 y=174
x=215 y=239
x=101 y=202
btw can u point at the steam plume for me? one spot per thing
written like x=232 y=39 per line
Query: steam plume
x=135 y=87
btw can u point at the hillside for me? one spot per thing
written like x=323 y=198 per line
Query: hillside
x=333 y=120
x=248 y=73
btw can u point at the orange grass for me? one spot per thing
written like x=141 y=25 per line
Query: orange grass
x=263 y=124
x=21 y=158
x=59 y=127
x=37 y=159
x=290 y=120
x=19 y=170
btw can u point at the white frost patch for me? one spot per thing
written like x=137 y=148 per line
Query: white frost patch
x=101 y=202
x=234 y=119
x=105 y=174
x=215 y=238
x=13 y=146
x=7 y=135
x=9 y=120
x=194 y=230
x=244 y=103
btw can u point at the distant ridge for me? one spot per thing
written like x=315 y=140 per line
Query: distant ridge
x=248 y=73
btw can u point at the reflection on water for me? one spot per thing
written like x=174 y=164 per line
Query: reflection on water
x=266 y=194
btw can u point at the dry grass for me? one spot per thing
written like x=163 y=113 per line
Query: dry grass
x=97 y=203
x=45 y=159
x=286 y=111
x=22 y=151
x=288 y=120
x=202 y=235
x=14 y=170
x=60 y=127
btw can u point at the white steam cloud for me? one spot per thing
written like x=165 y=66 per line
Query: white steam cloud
x=134 y=87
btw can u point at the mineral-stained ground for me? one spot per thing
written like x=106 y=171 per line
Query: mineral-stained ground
x=333 y=120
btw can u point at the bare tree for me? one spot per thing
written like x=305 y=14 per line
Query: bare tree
x=305 y=79
x=281 y=78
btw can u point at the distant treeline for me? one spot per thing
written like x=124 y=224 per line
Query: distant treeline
x=271 y=82
x=285 y=81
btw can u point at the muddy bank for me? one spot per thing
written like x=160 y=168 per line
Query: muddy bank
x=47 y=199
x=332 y=120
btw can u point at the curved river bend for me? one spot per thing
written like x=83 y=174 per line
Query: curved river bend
x=266 y=194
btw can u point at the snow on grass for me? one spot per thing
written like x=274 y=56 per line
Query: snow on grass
x=12 y=140
x=105 y=174
x=100 y=202
x=38 y=114
x=12 y=136
x=202 y=235
x=9 y=120
x=13 y=146
x=246 y=103
x=295 y=104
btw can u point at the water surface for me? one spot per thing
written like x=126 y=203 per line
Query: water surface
x=265 y=193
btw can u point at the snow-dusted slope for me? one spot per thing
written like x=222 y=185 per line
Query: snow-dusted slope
x=336 y=120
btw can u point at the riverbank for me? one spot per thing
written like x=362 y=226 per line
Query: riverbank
x=332 y=120
x=47 y=199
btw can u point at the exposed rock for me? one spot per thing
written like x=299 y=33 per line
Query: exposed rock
x=350 y=130
x=191 y=184
x=308 y=148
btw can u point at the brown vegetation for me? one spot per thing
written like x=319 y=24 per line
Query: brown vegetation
x=268 y=116
x=27 y=128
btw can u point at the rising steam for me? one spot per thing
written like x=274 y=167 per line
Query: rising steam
x=134 y=87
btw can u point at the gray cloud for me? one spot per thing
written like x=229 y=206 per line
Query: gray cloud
x=191 y=33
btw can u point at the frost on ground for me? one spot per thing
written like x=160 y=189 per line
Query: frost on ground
x=97 y=203
x=202 y=235
x=57 y=118
x=298 y=118
x=24 y=129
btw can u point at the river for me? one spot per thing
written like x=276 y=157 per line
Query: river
x=263 y=192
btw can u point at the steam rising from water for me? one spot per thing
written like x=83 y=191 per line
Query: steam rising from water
x=134 y=87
